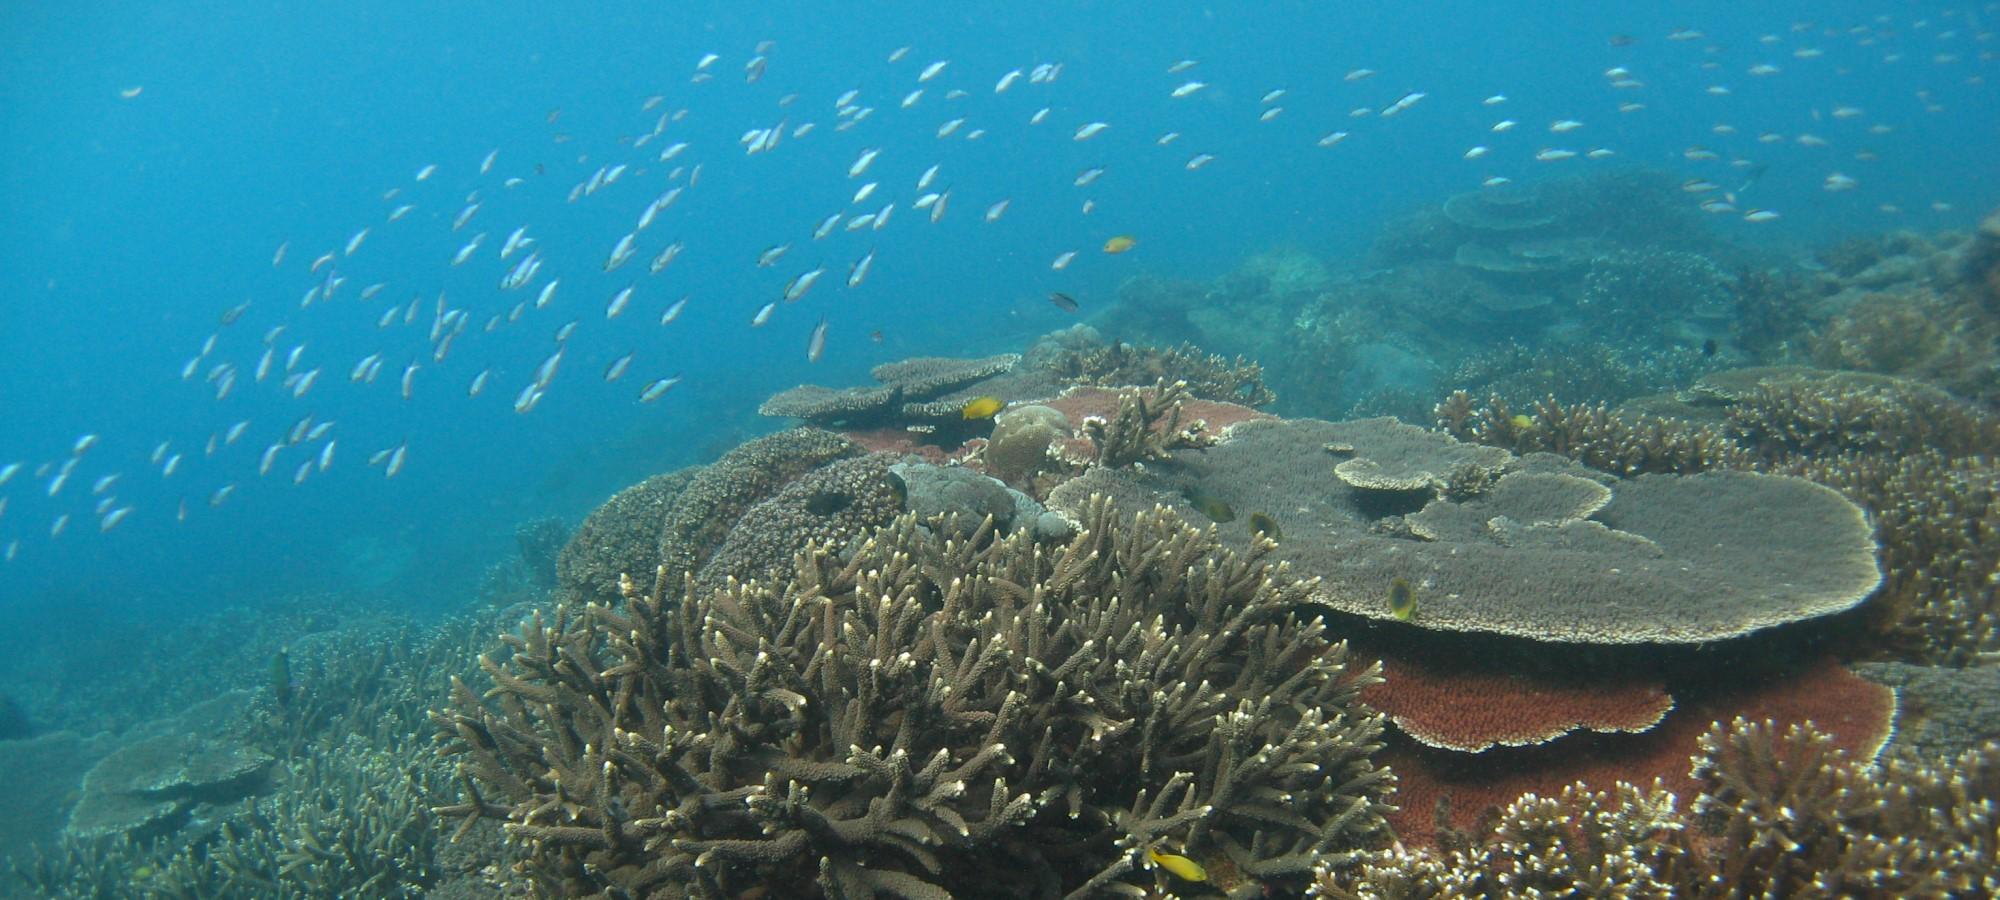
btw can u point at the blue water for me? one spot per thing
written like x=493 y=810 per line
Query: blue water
x=132 y=224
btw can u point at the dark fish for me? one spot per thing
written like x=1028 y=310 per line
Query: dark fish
x=1210 y=505
x=1708 y=347
x=1263 y=524
x=282 y=686
x=1402 y=599
x=1063 y=301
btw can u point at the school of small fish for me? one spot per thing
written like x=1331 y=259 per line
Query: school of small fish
x=491 y=314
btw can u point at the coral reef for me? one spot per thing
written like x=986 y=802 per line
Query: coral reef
x=541 y=543
x=1145 y=427
x=1669 y=559
x=1445 y=787
x=928 y=717
x=1471 y=707
x=622 y=535
x=346 y=822
x=147 y=787
x=831 y=503
x=1673 y=292
x=1022 y=439
x=1915 y=457
x=1775 y=813
x=1118 y=364
x=1943 y=711
x=324 y=795
x=702 y=515
x=1603 y=373
x=918 y=389
x=1591 y=434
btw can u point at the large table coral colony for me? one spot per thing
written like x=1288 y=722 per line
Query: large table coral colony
x=1124 y=641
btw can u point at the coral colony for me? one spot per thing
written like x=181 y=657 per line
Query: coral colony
x=1108 y=619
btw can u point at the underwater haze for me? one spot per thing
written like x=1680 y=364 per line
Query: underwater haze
x=337 y=339
x=158 y=156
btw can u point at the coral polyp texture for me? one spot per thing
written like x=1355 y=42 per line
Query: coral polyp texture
x=926 y=717
x=1665 y=559
x=1773 y=812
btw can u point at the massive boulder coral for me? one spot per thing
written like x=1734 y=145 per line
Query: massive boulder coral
x=680 y=519
x=621 y=536
x=928 y=717
x=843 y=497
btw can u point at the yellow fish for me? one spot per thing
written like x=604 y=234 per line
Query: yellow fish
x=982 y=407
x=1179 y=866
x=1402 y=599
x=1120 y=244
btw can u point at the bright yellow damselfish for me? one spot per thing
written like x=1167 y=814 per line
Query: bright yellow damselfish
x=1120 y=244
x=1179 y=866
x=982 y=407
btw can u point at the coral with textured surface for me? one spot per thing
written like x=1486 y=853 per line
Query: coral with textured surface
x=1918 y=459
x=930 y=717
x=621 y=536
x=1668 y=559
x=1771 y=811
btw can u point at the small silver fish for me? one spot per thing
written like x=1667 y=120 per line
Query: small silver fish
x=658 y=389
x=859 y=272
x=816 y=344
x=862 y=162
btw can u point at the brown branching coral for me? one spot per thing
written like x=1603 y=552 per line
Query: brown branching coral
x=1146 y=427
x=1916 y=332
x=1209 y=376
x=1590 y=434
x=1789 y=815
x=1580 y=843
x=1789 y=419
x=929 y=717
x=1779 y=814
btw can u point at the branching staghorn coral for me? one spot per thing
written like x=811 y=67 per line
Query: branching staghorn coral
x=1779 y=814
x=929 y=717
x=1580 y=843
x=1209 y=376
x=1590 y=434
x=1145 y=427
